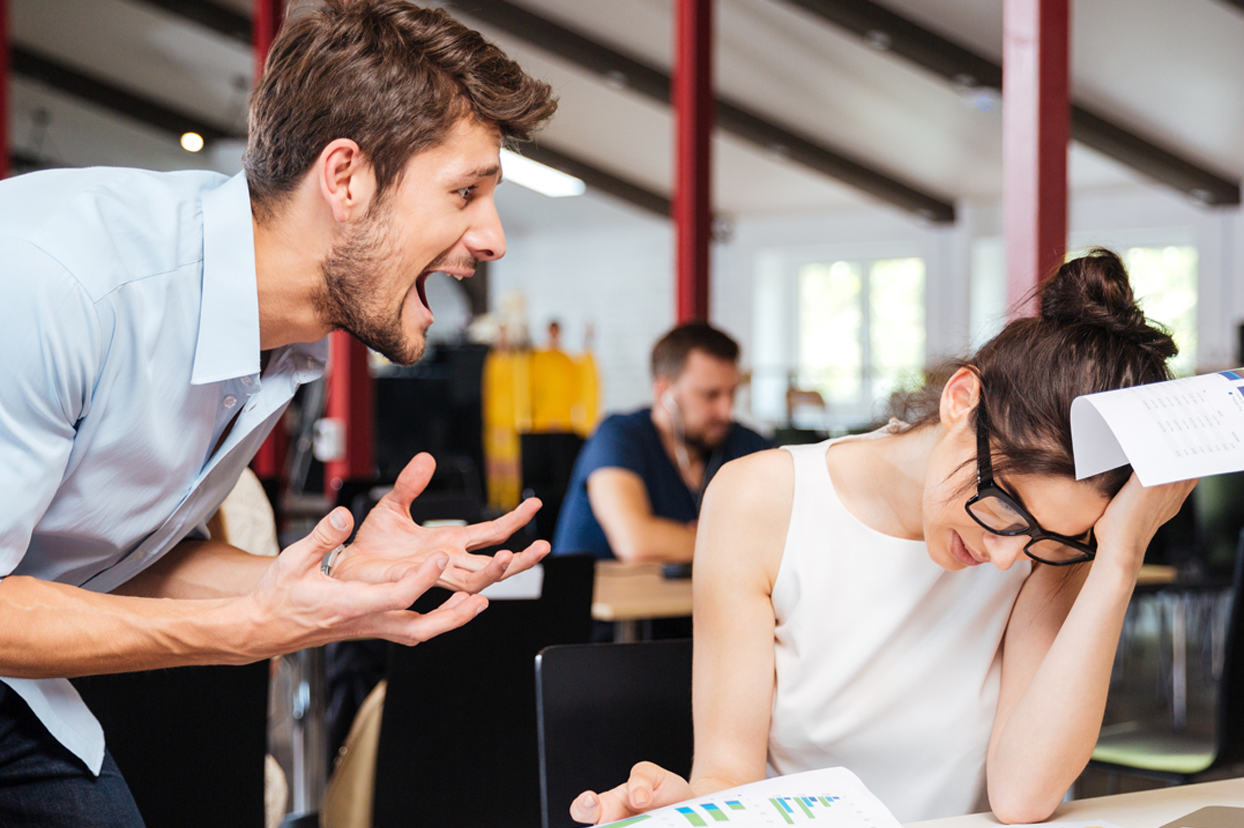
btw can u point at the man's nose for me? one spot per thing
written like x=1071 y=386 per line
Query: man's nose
x=486 y=238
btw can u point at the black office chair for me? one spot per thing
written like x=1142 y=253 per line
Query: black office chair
x=1143 y=749
x=458 y=735
x=604 y=707
x=189 y=741
x=547 y=462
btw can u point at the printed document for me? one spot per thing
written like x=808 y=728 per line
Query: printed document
x=828 y=798
x=1168 y=431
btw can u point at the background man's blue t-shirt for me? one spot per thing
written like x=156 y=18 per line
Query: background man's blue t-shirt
x=631 y=441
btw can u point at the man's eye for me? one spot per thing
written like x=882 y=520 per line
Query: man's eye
x=465 y=193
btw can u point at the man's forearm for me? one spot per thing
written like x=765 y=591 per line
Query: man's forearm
x=656 y=539
x=50 y=630
x=197 y=570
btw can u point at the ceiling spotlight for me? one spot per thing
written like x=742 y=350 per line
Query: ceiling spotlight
x=192 y=142
x=877 y=39
x=536 y=176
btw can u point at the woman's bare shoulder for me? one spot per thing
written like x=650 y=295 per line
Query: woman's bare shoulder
x=756 y=482
x=746 y=513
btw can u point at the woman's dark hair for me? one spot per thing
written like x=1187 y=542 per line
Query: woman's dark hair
x=1088 y=336
x=389 y=75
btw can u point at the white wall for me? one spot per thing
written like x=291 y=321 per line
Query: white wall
x=619 y=275
x=616 y=278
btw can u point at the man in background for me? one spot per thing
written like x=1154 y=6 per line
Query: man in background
x=637 y=484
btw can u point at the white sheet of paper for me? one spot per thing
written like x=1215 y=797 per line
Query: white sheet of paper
x=831 y=798
x=1086 y=824
x=1168 y=431
x=525 y=586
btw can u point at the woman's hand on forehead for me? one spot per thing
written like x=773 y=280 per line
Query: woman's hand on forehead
x=1134 y=517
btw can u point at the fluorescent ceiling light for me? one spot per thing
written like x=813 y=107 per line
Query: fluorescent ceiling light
x=536 y=176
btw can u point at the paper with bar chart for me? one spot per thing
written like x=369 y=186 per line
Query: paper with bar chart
x=828 y=798
x=1168 y=431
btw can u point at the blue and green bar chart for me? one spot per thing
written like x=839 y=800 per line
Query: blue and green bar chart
x=788 y=810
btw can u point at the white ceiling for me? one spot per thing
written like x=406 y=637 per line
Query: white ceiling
x=1168 y=70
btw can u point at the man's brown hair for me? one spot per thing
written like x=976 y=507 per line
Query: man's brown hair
x=669 y=355
x=387 y=74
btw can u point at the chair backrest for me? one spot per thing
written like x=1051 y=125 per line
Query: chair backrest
x=189 y=741
x=458 y=737
x=547 y=463
x=604 y=707
x=1231 y=685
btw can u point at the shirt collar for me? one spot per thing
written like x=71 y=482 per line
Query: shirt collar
x=228 y=344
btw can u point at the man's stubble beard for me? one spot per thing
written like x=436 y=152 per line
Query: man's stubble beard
x=353 y=271
x=702 y=445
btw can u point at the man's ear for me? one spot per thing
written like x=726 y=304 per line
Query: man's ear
x=347 y=181
x=959 y=397
x=660 y=387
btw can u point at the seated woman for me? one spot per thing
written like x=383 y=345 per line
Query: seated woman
x=916 y=604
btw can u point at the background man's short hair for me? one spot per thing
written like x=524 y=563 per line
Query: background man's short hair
x=389 y=75
x=669 y=355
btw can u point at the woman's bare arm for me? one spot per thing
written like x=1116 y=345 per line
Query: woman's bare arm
x=1057 y=655
x=742 y=532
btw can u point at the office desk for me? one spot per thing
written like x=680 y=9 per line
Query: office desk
x=626 y=594
x=1146 y=809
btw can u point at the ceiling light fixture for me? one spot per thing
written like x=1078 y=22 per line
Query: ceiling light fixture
x=192 y=142
x=536 y=176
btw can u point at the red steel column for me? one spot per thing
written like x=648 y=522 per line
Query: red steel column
x=6 y=148
x=1035 y=131
x=350 y=404
x=269 y=461
x=692 y=98
x=266 y=22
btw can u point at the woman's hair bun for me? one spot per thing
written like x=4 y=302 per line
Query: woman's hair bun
x=1094 y=290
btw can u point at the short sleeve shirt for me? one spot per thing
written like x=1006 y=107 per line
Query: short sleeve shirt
x=631 y=442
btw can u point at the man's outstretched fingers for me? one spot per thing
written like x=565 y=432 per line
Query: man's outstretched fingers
x=413 y=479
x=399 y=594
x=495 y=531
x=328 y=534
x=413 y=628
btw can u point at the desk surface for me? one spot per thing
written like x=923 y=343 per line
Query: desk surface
x=1146 y=809
x=630 y=592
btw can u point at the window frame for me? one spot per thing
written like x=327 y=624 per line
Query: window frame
x=776 y=323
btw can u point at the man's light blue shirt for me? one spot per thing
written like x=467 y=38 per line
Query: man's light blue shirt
x=129 y=341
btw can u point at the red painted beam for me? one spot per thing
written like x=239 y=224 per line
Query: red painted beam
x=1036 y=116
x=269 y=461
x=692 y=99
x=349 y=407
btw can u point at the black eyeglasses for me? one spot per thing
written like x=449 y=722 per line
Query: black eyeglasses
x=997 y=511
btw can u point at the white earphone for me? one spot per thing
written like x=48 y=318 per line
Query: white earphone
x=680 y=439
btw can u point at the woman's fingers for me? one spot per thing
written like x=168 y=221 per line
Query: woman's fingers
x=649 y=786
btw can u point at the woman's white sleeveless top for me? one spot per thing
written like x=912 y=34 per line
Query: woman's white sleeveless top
x=886 y=664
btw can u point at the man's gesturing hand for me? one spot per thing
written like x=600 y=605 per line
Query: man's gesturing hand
x=390 y=544
x=294 y=605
